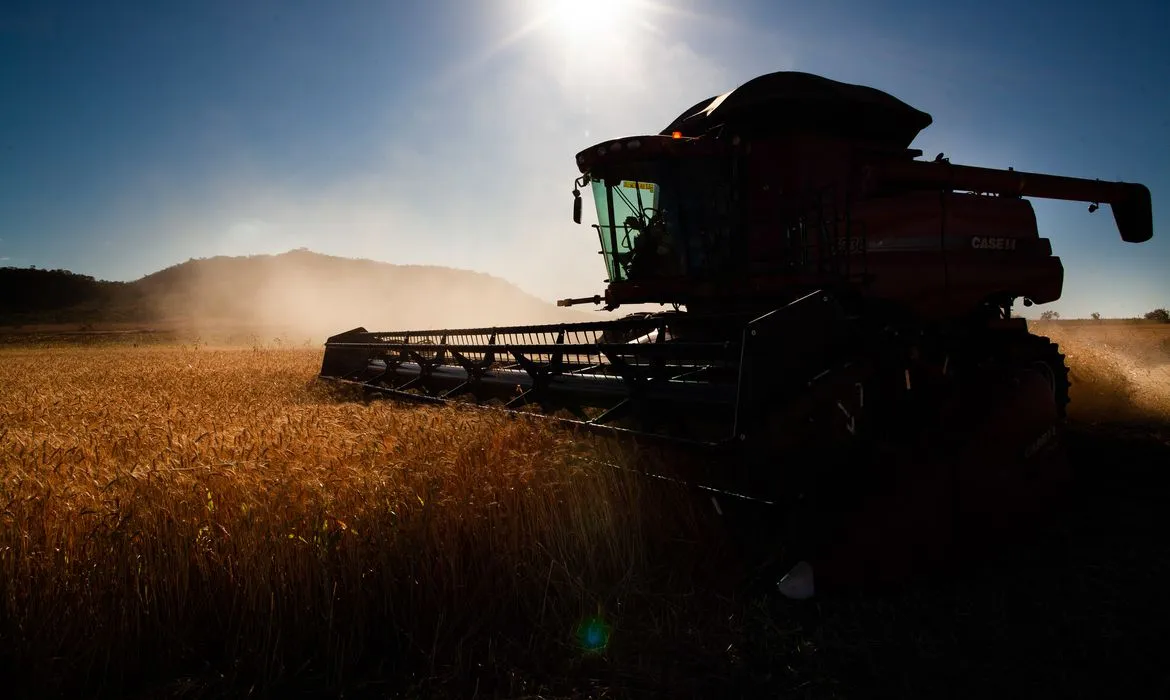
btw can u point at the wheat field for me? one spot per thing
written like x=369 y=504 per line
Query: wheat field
x=178 y=520
x=187 y=512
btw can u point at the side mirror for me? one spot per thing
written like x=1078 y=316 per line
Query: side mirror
x=576 y=205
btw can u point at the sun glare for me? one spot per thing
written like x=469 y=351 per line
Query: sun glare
x=581 y=19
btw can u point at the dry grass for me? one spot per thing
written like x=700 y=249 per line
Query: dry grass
x=181 y=513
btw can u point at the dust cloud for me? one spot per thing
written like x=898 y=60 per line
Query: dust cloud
x=1120 y=371
x=303 y=297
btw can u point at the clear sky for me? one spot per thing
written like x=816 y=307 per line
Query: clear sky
x=135 y=135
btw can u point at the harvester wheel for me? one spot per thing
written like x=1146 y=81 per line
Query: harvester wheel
x=1043 y=355
x=995 y=471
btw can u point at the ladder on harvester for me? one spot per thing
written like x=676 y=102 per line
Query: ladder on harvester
x=838 y=249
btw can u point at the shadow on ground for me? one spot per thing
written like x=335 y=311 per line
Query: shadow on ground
x=1078 y=612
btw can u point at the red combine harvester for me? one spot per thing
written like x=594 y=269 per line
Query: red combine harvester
x=841 y=343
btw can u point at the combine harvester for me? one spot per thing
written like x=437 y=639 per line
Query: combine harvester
x=840 y=343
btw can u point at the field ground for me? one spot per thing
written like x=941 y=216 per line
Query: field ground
x=175 y=331
x=195 y=521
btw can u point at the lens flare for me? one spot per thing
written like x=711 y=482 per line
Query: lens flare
x=593 y=635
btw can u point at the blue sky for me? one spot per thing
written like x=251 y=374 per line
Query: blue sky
x=135 y=135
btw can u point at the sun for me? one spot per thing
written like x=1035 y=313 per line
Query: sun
x=592 y=35
x=584 y=19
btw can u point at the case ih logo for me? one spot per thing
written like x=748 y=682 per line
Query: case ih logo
x=982 y=243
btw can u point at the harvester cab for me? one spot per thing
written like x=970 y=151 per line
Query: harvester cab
x=842 y=338
x=792 y=183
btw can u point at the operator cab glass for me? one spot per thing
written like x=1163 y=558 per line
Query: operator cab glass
x=656 y=222
x=630 y=225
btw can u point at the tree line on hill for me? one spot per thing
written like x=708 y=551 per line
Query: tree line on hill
x=31 y=295
x=24 y=290
x=298 y=292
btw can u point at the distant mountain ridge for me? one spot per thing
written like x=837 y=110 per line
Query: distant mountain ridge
x=299 y=292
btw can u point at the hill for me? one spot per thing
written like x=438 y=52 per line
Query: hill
x=298 y=294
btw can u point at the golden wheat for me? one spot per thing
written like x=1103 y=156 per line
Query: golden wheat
x=184 y=514
x=170 y=508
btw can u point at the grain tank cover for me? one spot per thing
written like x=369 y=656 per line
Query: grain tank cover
x=775 y=103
